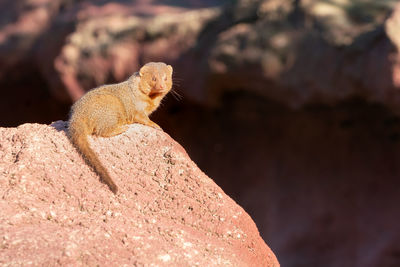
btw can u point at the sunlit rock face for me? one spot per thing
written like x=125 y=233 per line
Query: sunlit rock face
x=55 y=211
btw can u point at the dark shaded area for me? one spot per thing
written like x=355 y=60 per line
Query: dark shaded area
x=321 y=182
x=191 y=3
x=28 y=100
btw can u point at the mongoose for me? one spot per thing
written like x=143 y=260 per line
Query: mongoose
x=105 y=111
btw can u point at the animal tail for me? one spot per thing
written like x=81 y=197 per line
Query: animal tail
x=79 y=138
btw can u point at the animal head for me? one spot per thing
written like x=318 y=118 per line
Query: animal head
x=155 y=79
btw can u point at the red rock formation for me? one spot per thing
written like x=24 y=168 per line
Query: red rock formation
x=54 y=210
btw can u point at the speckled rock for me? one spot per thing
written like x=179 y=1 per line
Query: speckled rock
x=55 y=211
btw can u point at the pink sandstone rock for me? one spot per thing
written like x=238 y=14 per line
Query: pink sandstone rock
x=55 y=211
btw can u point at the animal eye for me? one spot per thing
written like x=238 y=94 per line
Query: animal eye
x=154 y=79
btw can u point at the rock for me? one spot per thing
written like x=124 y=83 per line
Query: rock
x=43 y=62
x=392 y=27
x=299 y=53
x=21 y=25
x=296 y=53
x=293 y=52
x=114 y=45
x=168 y=212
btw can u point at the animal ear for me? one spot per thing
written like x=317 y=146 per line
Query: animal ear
x=169 y=68
x=142 y=70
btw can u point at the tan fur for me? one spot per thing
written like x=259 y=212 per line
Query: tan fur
x=106 y=110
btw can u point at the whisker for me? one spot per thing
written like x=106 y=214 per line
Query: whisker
x=176 y=92
x=176 y=95
x=175 y=78
x=177 y=82
x=162 y=102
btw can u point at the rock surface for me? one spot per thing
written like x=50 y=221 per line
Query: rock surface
x=54 y=210
x=299 y=53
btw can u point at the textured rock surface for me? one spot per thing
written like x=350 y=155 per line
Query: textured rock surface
x=307 y=52
x=54 y=210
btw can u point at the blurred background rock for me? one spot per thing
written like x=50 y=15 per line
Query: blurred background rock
x=291 y=106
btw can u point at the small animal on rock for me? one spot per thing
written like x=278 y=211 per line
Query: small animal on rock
x=107 y=110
